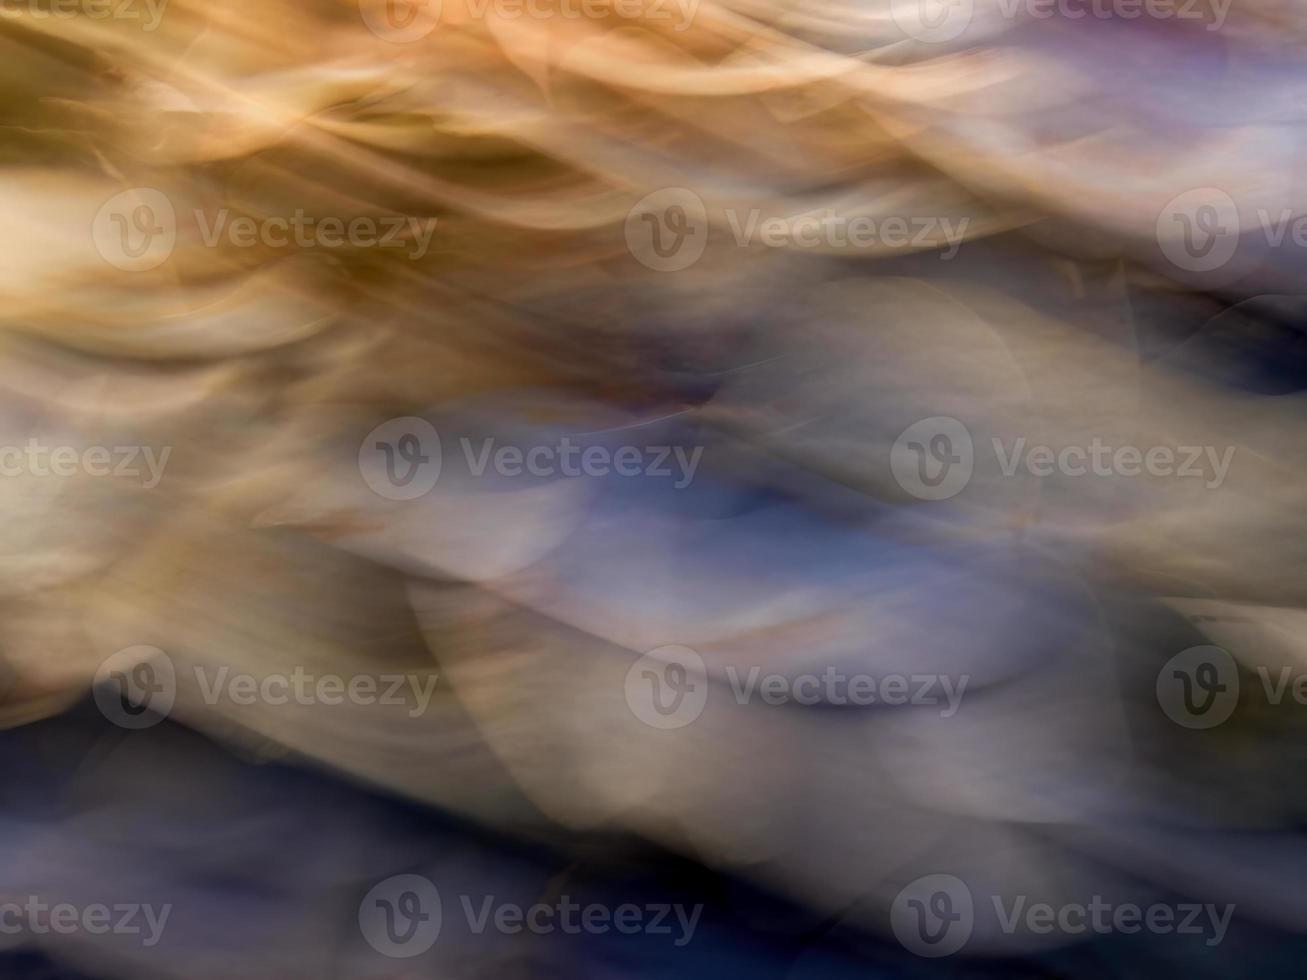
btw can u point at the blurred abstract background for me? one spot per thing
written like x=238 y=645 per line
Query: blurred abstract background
x=653 y=488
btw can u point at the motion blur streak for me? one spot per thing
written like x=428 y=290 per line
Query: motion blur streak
x=833 y=466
